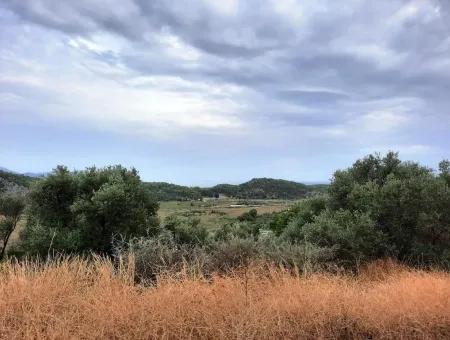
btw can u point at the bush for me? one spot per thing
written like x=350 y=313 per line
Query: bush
x=302 y=212
x=233 y=253
x=353 y=236
x=83 y=211
x=406 y=202
x=303 y=257
x=378 y=207
x=158 y=255
x=11 y=209
x=249 y=215
x=186 y=230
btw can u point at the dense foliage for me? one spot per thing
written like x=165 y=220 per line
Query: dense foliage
x=263 y=188
x=379 y=207
x=11 y=209
x=10 y=181
x=172 y=192
x=257 y=188
x=80 y=211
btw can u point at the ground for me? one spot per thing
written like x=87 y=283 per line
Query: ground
x=211 y=213
x=219 y=211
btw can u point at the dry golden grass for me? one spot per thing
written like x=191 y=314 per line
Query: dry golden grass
x=76 y=299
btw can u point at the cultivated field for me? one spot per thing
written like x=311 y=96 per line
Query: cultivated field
x=216 y=211
x=78 y=300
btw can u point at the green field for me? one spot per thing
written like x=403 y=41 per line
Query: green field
x=215 y=212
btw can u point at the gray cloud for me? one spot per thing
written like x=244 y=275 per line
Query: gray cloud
x=312 y=97
x=328 y=70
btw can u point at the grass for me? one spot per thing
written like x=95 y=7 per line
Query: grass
x=72 y=299
x=219 y=211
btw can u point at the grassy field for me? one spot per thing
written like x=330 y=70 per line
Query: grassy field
x=210 y=213
x=84 y=300
x=218 y=211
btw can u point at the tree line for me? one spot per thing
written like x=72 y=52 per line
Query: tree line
x=379 y=207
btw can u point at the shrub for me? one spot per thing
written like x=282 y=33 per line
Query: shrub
x=83 y=211
x=353 y=236
x=406 y=202
x=11 y=209
x=249 y=215
x=302 y=212
x=158 y=255
x=161 y=254
x=233 y=253
x=186 y=230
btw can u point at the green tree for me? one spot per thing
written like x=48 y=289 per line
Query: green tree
x=353 y=235
x=444 y=170
x=288 y=223
x=407 y=202
x=249 y=215
x=11 y=209
x=380 y=206
x=85 y=210
x=186 y=230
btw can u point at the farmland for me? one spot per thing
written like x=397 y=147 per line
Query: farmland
x=93 y=254
x=216 y=212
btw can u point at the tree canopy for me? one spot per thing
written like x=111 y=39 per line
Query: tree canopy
x=85 y=210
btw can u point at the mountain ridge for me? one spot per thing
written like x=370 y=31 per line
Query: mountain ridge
x=255 y=188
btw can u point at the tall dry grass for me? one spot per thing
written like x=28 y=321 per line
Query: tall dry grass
x=79 y=299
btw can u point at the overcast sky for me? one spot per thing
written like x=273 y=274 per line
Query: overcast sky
x=201 y=92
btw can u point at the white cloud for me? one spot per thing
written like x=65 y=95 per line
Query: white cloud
x=414 y=150
x=380 y=121
x=281 y=75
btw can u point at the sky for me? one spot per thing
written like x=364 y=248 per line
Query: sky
x=205 y=92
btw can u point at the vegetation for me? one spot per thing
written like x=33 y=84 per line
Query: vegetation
x=304 y=272
x=215 y=213
x=257 y=188
x=262 y=188
x=84 y=211
x=11 y=209
x=81 y=299
x=380 y=207
x=172 y=192
x=10 y=181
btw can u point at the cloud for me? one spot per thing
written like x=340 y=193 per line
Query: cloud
x=314 y=74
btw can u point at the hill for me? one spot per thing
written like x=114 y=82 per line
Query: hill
x=172 y=192
x=262 y=188
x=11 y=181
x=257 y=188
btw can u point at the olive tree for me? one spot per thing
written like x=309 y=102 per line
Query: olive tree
x=85 y=210
x=11 y=209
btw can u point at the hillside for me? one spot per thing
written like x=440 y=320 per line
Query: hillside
x=257 y=188
x=260 y=188
x=11 y=181
x=172 y=192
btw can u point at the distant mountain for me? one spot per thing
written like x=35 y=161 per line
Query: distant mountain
x=257 y=188
x=262 y=188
